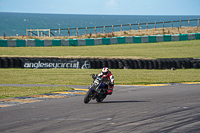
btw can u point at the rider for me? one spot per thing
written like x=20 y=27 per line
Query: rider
x=107 y=78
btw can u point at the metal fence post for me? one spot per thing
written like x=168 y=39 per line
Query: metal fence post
x=85 y=30
x=138 y=26
x=130 y=27
x=155 y=25
x=68 y=32
x=104 y=29
x=163 y=25
x=172 y=24
x=95 y=30
x=147 y=26
x=112 y=28
x=76 y=31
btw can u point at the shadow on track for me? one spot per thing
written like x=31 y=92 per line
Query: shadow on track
x=123 y=101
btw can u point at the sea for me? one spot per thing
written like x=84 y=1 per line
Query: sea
x=15 y=24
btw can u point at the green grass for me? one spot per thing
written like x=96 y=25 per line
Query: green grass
x=81 y=76
x=179 y=49
x=182 y=49
x=13 y=91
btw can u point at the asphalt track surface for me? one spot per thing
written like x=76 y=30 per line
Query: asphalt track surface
x=138 y=109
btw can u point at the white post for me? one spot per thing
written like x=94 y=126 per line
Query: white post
x=38 y=33
x=49 y=32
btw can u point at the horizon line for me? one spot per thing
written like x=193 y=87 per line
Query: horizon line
x=97 y=14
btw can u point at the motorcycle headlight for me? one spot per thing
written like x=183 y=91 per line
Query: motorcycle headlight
x=96 y=81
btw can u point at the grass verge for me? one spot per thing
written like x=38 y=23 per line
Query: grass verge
x=180 y=49
x=183 y=49
x=13 y=91
x=81 y=76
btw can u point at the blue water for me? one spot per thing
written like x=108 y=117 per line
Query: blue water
x=13 y=24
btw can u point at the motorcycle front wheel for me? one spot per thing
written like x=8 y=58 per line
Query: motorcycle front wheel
x=88 y=96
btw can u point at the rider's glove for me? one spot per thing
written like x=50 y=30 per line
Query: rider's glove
x=93 y=76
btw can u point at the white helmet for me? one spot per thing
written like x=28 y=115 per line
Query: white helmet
x=105 y=71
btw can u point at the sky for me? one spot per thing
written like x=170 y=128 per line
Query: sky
x=103 y=7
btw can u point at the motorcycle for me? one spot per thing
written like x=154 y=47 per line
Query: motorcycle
x=97 y=90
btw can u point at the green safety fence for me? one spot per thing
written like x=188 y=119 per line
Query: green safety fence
x=97 y=41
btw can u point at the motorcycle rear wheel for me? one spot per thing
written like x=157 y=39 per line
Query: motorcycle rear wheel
x=100 y=99
x=88 y=96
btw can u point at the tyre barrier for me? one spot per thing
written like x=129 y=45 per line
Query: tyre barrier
x=96 y=63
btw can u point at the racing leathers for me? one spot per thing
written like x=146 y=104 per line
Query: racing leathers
x=108 y=80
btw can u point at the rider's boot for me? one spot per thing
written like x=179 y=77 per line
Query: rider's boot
x=110 y=91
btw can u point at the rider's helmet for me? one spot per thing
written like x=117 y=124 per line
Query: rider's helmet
x=105 y=71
